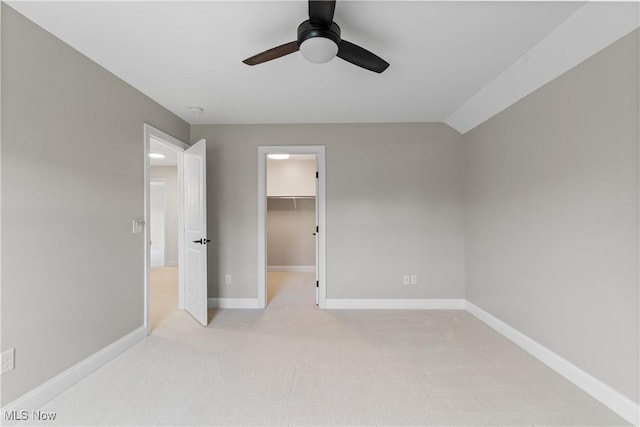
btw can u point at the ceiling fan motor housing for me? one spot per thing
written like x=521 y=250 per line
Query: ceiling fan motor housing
x=308 y=30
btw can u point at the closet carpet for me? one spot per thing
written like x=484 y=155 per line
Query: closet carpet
x=293 y=364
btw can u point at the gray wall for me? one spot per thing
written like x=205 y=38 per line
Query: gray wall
x=290 y=239
x=72 y=181
x=169 y=175
x=552 y=224
x=394 y=206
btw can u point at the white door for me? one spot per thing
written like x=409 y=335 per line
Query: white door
x=317 y=235
x=195 y=231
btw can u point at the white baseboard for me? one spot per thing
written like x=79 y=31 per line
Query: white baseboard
x=618 y=403
x=37 y=397
x=293 y=268
x=171 y=263
x=233 y=303
x=397 y=304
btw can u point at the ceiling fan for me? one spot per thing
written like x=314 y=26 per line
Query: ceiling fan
x=319 y=41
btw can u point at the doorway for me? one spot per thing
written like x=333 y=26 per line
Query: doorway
x=291 y=230
x=291 y=225
x=164 y=235
x=164 y=205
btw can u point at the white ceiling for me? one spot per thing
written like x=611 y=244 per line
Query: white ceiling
x=170 y=154
x=184 y=54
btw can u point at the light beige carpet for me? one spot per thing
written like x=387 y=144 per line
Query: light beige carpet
x=164 y=293
x=293 y=364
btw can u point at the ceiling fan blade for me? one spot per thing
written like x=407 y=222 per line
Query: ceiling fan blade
x=272 y=53
x=361 y=57
x=321 y=12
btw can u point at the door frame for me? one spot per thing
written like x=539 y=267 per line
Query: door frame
x=321 y=197
x=153 y=133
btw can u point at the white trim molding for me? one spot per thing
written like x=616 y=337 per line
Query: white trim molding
x=397 y=304
x=593 y=27
x=614 y=400
x=233 y=303
x=42 y=394
x=293 y=268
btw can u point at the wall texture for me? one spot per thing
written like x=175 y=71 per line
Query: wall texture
x=290 y=239
x=394 y=206
x=292 y=177
x=169 y=175
x=552 y=223
x=72 y=181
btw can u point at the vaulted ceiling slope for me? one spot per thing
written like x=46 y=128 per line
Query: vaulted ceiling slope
x=453 y=62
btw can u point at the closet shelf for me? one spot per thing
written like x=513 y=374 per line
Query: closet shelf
x=294 y=198
x=291 y=197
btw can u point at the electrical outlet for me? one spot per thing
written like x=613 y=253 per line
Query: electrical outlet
x=406 y=279
x=227 y=279
x=8 y=360
x=414 y=279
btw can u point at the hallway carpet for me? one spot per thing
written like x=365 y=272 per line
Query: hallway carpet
x=164 y=293
x=293 y=364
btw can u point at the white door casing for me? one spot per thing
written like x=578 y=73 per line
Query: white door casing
x=316 y=235
x=195 y=231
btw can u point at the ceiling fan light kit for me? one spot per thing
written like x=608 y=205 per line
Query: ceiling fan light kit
x=318 y=45
x=319 y=42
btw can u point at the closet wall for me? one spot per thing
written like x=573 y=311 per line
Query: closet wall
x=291 y=213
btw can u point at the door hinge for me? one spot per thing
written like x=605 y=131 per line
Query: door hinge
x=316 y=175
x=317 y=284
x=317 y=229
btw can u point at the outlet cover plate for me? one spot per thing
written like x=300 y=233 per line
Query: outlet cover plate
x=8 y=360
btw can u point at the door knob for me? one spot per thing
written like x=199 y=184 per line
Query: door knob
x=202 y=241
